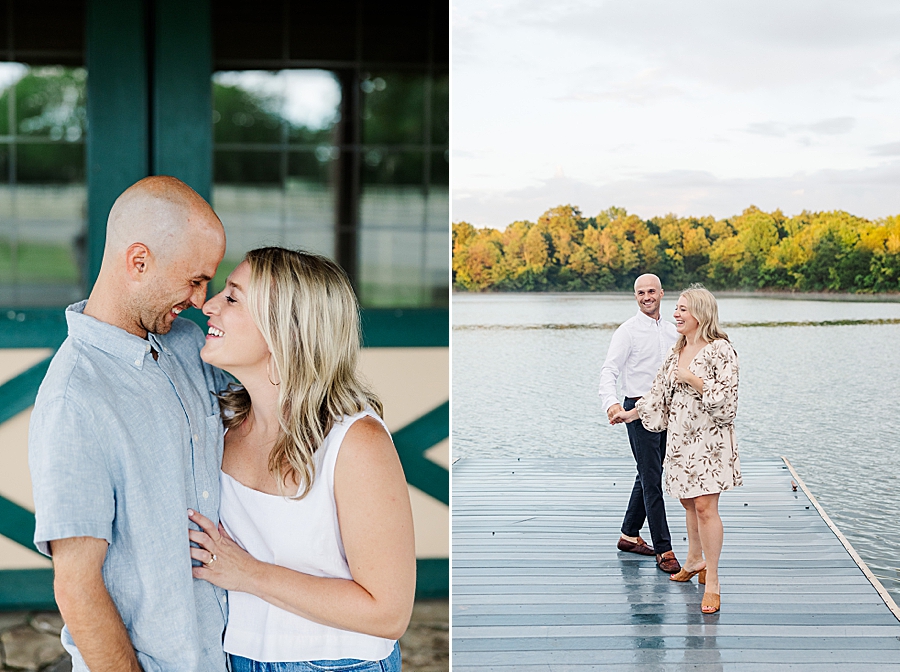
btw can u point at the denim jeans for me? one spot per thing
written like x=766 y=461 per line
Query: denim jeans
x=646 y=503
x=389 y=664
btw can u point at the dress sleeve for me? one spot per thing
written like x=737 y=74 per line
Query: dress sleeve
x=653 y=408
x=720 y=388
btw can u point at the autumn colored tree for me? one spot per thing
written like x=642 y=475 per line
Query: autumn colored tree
x=566 y=251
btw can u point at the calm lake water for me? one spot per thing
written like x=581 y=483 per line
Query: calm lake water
x=826 y=396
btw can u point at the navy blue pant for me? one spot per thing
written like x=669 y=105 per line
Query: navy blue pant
x=646 y=503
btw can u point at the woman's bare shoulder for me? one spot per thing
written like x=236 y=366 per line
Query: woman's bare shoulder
x=367 y=436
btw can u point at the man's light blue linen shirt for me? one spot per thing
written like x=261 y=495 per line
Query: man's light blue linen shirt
x=120 y=446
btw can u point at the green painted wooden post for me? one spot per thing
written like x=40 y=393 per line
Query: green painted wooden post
x=115 y=55
x=182 y=93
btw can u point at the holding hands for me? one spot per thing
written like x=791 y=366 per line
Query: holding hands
x=225 y=564
x=621 y=415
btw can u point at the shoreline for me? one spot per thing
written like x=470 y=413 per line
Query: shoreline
x=730 y=293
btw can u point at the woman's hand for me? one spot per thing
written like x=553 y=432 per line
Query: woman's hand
x=684 y=376
x=624 y=416
x=225 y=564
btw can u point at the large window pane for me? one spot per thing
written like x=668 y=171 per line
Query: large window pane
x=393 y=108
x=438 y=208
x=437 y=265
x=310 y=200
x=42 y=184
x=391 y=269
x=290 y=170
x=274 y=156
x=404 y=200
x=440 y=105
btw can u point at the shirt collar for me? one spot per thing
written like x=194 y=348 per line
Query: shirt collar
x=106 y=337
x=647 y=318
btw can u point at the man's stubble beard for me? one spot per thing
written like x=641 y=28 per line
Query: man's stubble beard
x=150 y=311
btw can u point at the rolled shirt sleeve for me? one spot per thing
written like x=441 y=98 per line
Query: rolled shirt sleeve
x=616 y=356
x=73 y=490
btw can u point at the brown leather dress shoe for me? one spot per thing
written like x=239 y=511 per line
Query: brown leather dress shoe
x=641 y=547
x=668 y=563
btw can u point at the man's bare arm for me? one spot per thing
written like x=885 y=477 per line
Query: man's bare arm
x=86 y=607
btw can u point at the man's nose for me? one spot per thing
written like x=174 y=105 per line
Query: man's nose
x=198 y=297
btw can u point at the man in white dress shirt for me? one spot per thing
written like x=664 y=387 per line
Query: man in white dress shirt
x=637 y=350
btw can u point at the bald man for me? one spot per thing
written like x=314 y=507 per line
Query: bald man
x=637 y=350
x=125 y=437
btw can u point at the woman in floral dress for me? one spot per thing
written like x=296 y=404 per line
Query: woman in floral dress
x=694 y=397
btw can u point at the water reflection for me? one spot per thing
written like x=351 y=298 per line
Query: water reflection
x=534 y=392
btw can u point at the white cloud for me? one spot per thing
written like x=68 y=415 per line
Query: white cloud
x=726 y=96
x=887 y=149
x=774 y=129
x=870 y=193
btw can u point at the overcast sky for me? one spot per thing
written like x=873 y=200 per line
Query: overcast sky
x=694 y=107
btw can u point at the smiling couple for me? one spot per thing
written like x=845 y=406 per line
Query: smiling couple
x=680 y=385
x=291 y=522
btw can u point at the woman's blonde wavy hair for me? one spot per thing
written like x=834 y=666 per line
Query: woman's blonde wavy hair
x=307 y=313
x=702 y=305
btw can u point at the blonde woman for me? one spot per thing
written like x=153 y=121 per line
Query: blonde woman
x=694 y=398
x=316 y=548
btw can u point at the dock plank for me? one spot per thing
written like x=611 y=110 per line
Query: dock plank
x=539 y=585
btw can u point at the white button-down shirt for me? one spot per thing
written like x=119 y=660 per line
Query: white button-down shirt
x=636 y=351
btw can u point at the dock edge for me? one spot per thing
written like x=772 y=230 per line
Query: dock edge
x=882 y=591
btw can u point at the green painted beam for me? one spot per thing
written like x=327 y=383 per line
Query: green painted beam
x=182 y=93
x=117 y=109
x=17 y=523
x=413 y=440
x=19 y=393
x=382 y=328
x=32 y=589
x=32 y=327
x=407 y=328
x=432 y=578
x=27 y=590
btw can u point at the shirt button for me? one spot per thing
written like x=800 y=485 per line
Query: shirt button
x=205 y=495
x=224 y=598
x=196 y=438
x=147 y=348
x=137 y=362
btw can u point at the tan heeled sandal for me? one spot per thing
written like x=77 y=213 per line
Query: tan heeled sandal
x=684 y=575
x=711 y=603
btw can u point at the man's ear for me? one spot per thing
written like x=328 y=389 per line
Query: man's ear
x=137 y=260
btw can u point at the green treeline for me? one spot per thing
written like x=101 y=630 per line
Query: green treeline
x=564 y=251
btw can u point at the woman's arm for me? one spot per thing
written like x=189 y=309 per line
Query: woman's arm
x=684 y=375
x=653 y=408
x=719 y=394
x=376 y=526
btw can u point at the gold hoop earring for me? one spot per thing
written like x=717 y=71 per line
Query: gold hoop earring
x=268 y=375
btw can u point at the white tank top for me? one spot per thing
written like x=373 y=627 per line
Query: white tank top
x=302 y=535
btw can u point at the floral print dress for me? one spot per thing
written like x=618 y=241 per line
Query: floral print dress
x=701 y=451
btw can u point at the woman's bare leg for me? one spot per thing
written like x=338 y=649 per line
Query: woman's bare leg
x=711 y=534
x=694 y=559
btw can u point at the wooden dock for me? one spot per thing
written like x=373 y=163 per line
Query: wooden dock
x=537 y=582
